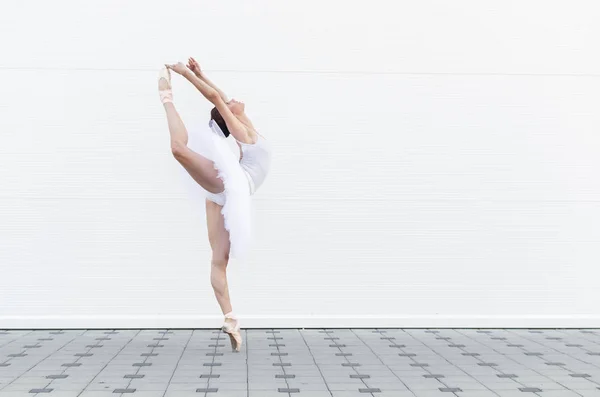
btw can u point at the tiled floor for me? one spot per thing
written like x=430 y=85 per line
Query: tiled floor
x=303 y=363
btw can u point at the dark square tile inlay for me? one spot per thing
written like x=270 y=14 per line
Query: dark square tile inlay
x=40 y=390
x=580 y=375
x=207 y=390
x=343 y=354
x=124 y=391
x=370 y=390
x=450 y=389
x=288 y=390
x=285 y=376
x=359 y=376
x=433 y=376
x=350 y=365
x=133 y=376
x=210 y=376
x=530 y=389
x=419 y=365
x=61 y=376
x=508 y=376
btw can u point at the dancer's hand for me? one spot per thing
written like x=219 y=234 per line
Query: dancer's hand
x=194 y=66
x=178 y=68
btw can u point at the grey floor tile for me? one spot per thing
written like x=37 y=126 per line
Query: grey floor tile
x=98 y=362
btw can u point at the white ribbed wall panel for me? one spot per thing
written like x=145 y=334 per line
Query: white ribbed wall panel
x=436 y=163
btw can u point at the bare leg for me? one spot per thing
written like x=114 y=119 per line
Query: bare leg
x=219 y=242
x=200 y=168
x=218 y=237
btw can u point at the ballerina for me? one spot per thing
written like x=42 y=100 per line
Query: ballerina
x=228 y=181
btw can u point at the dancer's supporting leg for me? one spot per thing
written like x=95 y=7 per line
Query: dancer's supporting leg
x=220 y=245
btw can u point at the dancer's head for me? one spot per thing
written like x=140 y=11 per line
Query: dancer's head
x=236 y=107
x=216 y=116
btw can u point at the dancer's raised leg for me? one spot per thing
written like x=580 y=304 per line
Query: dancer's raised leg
x=200 y=168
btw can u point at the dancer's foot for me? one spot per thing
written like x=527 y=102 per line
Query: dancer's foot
x=164 y=85
x=231 y=326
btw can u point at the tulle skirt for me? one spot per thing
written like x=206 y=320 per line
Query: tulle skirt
x=235 y=200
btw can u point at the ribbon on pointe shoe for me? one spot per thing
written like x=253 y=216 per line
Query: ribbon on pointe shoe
x=166 y=95
x=228 y=326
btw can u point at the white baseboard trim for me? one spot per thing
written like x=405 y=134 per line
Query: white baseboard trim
x=299 y=321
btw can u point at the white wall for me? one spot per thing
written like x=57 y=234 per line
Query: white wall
x=435 y=163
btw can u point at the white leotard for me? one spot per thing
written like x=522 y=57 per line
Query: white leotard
x=255 y=158
x=256 y=161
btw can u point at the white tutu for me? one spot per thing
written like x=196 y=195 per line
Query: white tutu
x=235 y=200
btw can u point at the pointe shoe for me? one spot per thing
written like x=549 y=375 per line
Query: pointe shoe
x=166 y=95
x=233 y=330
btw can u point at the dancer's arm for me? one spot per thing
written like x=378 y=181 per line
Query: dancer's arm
x=236 y=127
x=194 y=66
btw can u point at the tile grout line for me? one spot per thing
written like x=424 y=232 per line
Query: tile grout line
x=425 y=368
x=36 y=364
x=493 y=368
x=178 y=360
x=508 y=357
x=109 y=361
x=315 y=361
x=379 y=358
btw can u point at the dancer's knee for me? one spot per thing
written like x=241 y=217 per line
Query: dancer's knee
x=220 y=261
